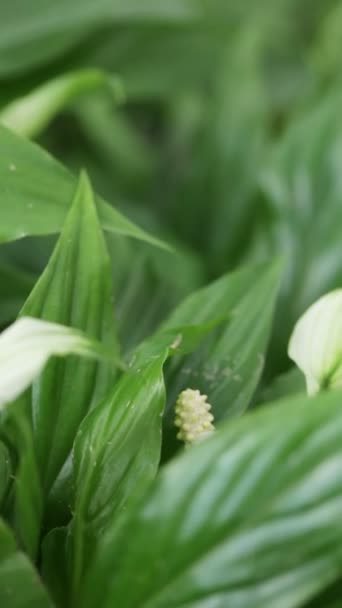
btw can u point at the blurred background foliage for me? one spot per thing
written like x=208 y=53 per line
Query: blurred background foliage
x=226 y=141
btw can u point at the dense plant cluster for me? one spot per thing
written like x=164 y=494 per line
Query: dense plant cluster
x=170 y=206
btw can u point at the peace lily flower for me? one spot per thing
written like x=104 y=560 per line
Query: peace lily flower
x=193 y=416
x=316 y=343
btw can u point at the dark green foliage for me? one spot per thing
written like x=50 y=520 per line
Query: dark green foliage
x=210 y=132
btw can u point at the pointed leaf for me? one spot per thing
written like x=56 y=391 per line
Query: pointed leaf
x=116 y=455
x=75 y=289
x=36 y=190
x=228 y=364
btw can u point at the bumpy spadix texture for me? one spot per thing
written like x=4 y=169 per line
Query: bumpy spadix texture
x=193 y=417
x=316 y=343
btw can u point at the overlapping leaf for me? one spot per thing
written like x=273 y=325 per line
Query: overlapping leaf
x=20 y=586
x=303 y=193
x=27 y=345
x=116 y=455
x=110 y=435
x=57 y=28
x=36 y=190
x=248 y=519
x=75 y=289
x=228 y=365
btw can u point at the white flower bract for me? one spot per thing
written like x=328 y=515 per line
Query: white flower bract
x=316 y=343
x=26 y=346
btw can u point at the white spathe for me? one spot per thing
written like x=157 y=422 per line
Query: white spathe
x=26 y=346
x=316 y=343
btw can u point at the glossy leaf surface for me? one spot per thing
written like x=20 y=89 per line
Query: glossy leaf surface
x=116 y=455
x=75 y=289
x=248 y=519
x=228 y=364
x=36 y=192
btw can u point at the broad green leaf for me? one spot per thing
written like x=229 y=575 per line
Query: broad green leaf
x=116 y=455
x=228 y=365
x=226 y=145
x=303 y=190
x=36 y=191
x=75 y=289
x=30 y=114
x=250 y=518
x=232 y=368
x=225 y=328
x=27 y=345
x=168 y=62
x=56 y=27
x=160 y=63
x=146 y=275
x=20 y=586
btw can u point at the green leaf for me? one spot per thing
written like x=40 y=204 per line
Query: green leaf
x=36 y=190
x=24 y=503
x=56 y=28
x=146 y=275
x=228 y=365
x=224 y=136
x=75 y=289
x=305 y=169
x=20 y=586
x=30 y=114
x=162 y=63
x=26 y=346
x=250 y=518
x=116 y=455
